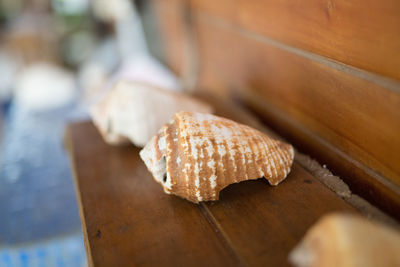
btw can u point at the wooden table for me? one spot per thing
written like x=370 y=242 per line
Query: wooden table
x=128 y=220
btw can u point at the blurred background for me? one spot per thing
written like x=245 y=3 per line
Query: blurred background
x=56 y=58
x=317 y=72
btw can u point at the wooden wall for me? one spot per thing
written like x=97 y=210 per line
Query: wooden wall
x=324 y=74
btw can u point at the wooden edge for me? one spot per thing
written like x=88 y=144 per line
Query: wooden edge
x=324 y=175
x=338 y=186
x=70 y=151
x=380 y=191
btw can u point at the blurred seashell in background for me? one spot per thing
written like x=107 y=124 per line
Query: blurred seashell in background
x=110 y=11
x=347 y=240
x=136 y=111
x=45 y=86
x=98 y=75
x=196 y=155
x=147 y=69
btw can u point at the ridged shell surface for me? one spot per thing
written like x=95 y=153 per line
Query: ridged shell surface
x=196 y=155
x=134 y=111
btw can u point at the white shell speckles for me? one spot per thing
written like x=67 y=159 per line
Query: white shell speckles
x=134 y=112
x=204 y=153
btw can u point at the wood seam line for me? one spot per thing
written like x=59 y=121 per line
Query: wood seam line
x=332 y=182
x=338 y=186
x=356 y=201
x=375 y=78
x=387 y=183
x=70 y=149
x=372 y=77
x=255 y=122
x=342 y=190
x=221 y=234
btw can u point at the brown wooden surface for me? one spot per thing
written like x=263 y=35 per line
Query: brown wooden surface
x=364 y=34
x=352 y=116
x=169 y=16
x=263 y=223
x=360 y=178
x=276 y=54
x=351 y=111
x=128 y=220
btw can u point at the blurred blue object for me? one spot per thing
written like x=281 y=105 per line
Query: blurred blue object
x=61 y=252
x=37 y=198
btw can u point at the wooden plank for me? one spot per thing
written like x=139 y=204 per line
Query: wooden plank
x=128 y=220
x=364 y=34
x=359 y=118
x=126 y=217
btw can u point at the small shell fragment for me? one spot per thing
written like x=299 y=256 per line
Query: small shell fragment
x=134 y=112
x=196 y=155
x=347 y=240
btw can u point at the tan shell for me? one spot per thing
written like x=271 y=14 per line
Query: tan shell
x=134 y=112
x=347 y=240
x=196 y=155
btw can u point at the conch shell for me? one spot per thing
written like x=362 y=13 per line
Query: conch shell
x=196 y=155
x=347 y=240
x=134 y=112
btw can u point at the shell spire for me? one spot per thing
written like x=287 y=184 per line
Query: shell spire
x=197 y=155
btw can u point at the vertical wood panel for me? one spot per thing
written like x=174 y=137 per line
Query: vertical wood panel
x=356 y=118
x=170 y=21
x=365 y=34
x=359 y=118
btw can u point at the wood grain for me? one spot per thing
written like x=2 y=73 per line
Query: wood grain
x=262 y=222
x=355 y=116
x=170 y=20
x=128 y=220
x=360 y=179
x=369 y=186
x=364 y=34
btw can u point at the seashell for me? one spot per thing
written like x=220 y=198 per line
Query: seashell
x=134 y=112
x=347 y=240
x=196 y=155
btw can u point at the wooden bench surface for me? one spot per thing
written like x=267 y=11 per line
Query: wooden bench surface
x=128 y=220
